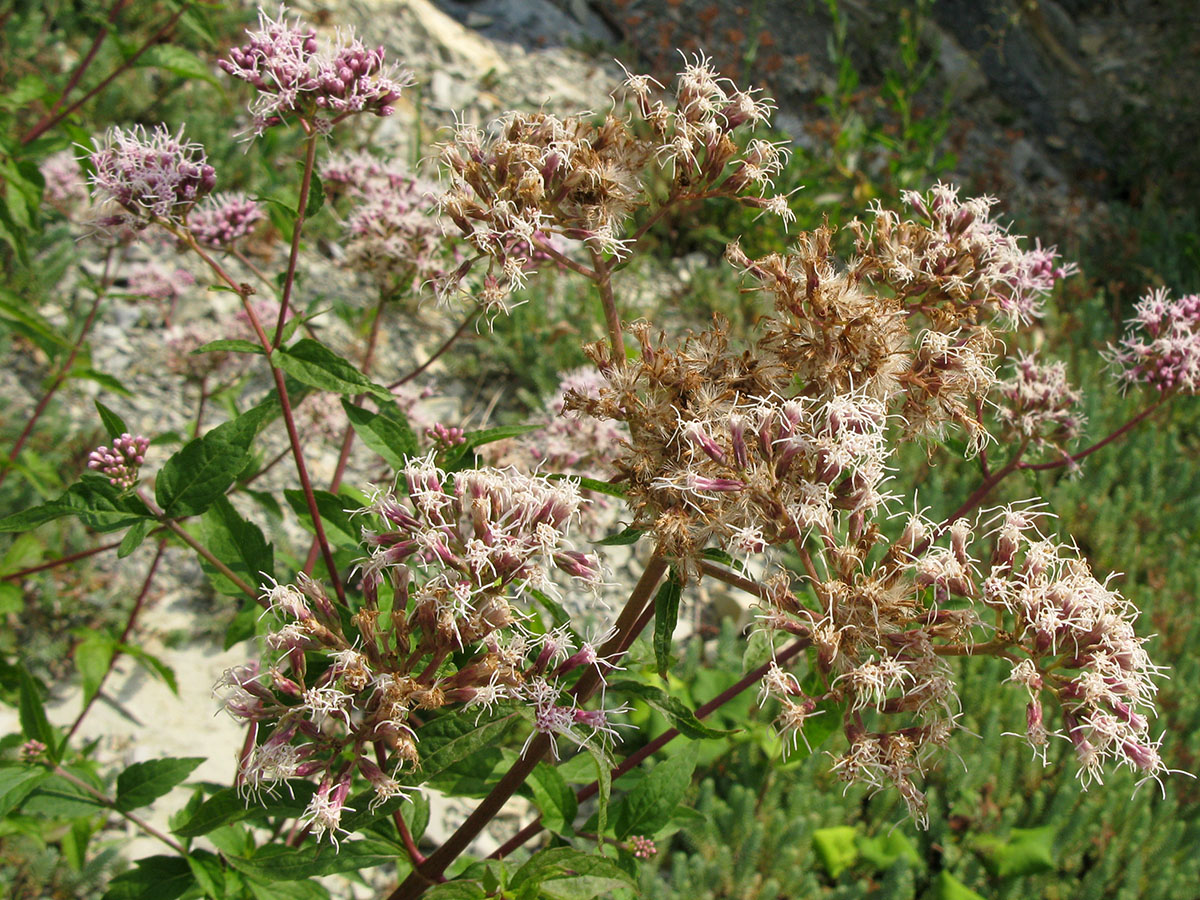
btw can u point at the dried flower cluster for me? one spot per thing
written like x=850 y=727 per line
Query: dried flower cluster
x=458 y=559
x=122 y=463
x=1162 y=345
x=541 y=177
x=297 y=77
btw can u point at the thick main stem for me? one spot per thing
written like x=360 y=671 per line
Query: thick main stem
x=434 y=867
x=635 y=759
x=310 y=156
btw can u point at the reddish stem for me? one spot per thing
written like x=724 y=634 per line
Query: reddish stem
x=50 y=120
x=1076 y=457
x=61 y=561
x=634 y=759
x=438 y=352
x=59 y=379
x=310 y=155
x=434 y=867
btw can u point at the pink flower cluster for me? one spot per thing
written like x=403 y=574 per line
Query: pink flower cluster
x=1039 y=403
x=224 y=219
x=149 y=174
x=392 y=230
x=65 y=191
x=1161 y=346
x=296 y=76
x=122 y=462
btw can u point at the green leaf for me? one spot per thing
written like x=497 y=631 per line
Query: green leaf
x=209 y=873
x=26 y=550
x=947 y=887
x=143 y=783
x=391 y=438
x=288 y=890
x=102 y=506
x=154 y=878
x=192 y=480
x=229 y=345
x=276 y=862
x=178 y=61
x=604 y=767
x=101 y=378
x=32 y=714
x=242 y=430
x=666 y=616
x=26 y=321
x=133 y=537
x=16 y=783
x=451 y=738
x=153 y=665
x=35 y=516
x=883 y=850
x=236 y=542
x=1026 y=851
x=228 y=806
x=316 y=197
x=676 y=711
x=314 y=364
x=554 y=798
x=455 y=890
x=339 y=527
x=92 y=657
x=559 y=863
x=600 y=487
x=628 y=536
x=650 y=805
x=836 y=848
x=716 y=554
x=113 y=424
x=759 y=648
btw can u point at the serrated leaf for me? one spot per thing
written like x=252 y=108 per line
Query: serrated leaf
x=455 y=890
x=450 y=738
x=134 y=537
x=113 y=424
x=209 y=873
x=143 y=783
x=236 y=542
x=554 y=864
x=836 y=848
x=622 y=539
x=339 y=527
x=276 y=862
x=228 y=806
x=677 y=712
x=652 y=802
x=16 y=783
x=178 y=61
x=153 y=878
x=103 y=507
x=242 y=431
x=554 y=798
x=314 y=364
x=666 y=616
x=388 y=436
x=92 y=658
x=199 y=473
